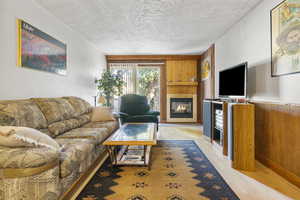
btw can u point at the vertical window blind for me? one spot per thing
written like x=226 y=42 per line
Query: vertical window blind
x=139 y=78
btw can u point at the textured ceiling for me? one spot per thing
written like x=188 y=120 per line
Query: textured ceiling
x=150 y=26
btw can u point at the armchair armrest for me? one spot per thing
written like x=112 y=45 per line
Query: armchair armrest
x=154 y=113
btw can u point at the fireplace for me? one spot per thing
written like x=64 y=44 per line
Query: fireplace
x=181 y=108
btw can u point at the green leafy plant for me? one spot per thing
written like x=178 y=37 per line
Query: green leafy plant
x=149 y=85
x=110 y=85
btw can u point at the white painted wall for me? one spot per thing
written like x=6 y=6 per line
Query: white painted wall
x=84 y=61
x=249 y=40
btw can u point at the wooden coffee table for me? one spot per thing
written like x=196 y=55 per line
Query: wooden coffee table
x=131 y=144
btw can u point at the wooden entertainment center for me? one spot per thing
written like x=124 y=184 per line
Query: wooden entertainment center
x=230 y=128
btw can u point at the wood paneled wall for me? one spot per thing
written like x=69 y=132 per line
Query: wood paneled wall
x=122 y=58
x=277 y=138
x=206 y=89
x=163 y=91
x=179 y=71
x=208 y=85
x=183 y=61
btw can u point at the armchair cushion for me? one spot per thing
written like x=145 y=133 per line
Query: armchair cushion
x=154 y=113
x=141 y=118
x=133 y=104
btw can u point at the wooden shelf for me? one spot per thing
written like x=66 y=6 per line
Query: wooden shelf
x=184 y=83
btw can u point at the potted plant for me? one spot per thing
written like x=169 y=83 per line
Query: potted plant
x=110 y=85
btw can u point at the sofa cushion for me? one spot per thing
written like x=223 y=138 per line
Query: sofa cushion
x=55 y=109
x=58 y=128
x=97 y=135
x=84 y=119
x=102 y=114
x=110 y=125
x=12 y=136
x=21 y=113
x=26 y=157
x=80 y=106
x=73 y=153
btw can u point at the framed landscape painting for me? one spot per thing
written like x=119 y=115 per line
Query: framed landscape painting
x=38 y=50
x=285 y=38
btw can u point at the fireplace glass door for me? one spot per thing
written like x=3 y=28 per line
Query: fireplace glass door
x=181 y=108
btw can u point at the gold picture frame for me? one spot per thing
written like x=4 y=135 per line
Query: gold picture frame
x=285 y=38
x=40 y=51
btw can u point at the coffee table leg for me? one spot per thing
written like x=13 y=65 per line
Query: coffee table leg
x=149 y=164
x=110 y=155
x=145 y=152
x=115 y=155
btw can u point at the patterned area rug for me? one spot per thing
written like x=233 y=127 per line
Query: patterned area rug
x=180 y=171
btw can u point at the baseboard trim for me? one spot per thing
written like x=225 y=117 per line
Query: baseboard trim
x=84 y=179
x=291 y=177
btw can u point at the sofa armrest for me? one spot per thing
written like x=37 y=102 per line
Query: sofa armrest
x=27 y=161
x=34 y=165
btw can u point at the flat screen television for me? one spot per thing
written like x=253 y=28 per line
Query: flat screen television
x=233 y=81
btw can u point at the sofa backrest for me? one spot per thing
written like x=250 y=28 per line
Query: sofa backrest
x=55 y=109
x=22 y=113
x=80 y=106
x=64 y=114
x=52 y=116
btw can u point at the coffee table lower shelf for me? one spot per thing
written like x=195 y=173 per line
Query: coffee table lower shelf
x=130 y=155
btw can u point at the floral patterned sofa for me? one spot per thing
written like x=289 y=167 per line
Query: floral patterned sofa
x=41 y=173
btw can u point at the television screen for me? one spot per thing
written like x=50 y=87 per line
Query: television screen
x=232 y=81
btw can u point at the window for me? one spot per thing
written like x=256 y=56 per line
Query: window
x=142 y=79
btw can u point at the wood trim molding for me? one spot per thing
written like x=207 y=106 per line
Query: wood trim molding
x=112 y=58
x=163 y=93
x=293 y=178
x=75 y=189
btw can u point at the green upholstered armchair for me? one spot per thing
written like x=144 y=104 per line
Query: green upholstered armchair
x=135 y=108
